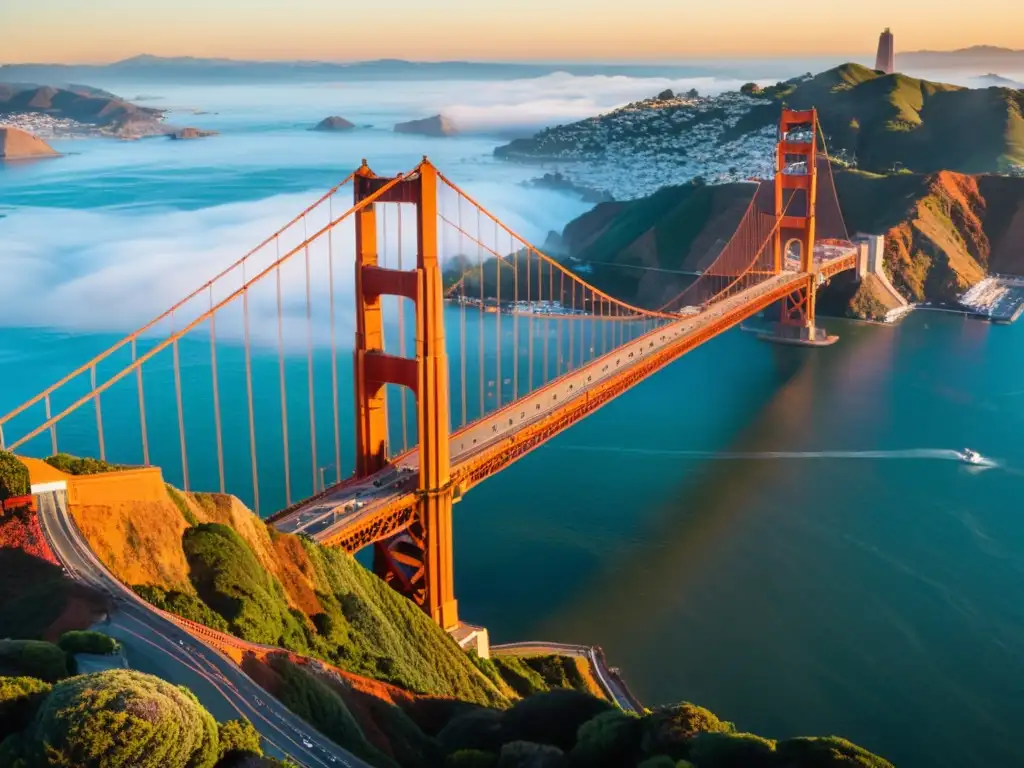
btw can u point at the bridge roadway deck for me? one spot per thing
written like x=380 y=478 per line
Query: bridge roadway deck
x=483 y=447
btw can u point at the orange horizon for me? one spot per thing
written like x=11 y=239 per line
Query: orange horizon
x=504 y=30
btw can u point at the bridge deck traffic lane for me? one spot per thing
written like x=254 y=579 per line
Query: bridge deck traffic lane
x=323 y=518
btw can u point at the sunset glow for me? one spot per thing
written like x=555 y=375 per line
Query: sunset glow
x=641 y=30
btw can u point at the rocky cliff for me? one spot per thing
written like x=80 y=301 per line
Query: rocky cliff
x=437 y=126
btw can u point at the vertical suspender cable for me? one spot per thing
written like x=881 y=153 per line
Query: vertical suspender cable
x=560 y=320
x=497 y=328
x=572 y=320
x=53 y=427
x=480 y=329
x=282 y=382
x=515 y=318
x=401 y=326
x=546 y=327
x=142 y=409
x=99 y=414
x=309 y=361
x=462 y=317
x=529 y=323
x=181 y=413
x=216 y=395
x=248 y=392
x=334 y=346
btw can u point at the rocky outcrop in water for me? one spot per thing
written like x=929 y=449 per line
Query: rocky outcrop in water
x=191 y=133
x=333 y=124
x=438 y=126
x=16 y=144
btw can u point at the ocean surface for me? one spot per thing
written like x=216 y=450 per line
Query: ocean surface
x=784 y=536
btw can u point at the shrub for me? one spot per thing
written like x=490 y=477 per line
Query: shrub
x=34 y=658
x=478 y=730
x=231 y=581
x=668 y=730
x=14 y=479
x=318 y=705
x=86 y=641
x=471 y=758
x=524 y=754
x=610 y=740
x=157 y=725
x=826 y=752
x=237 y=736
x=551 y=718
x=19 y=699
x=183 y=604
x=74 y=465
x=522 y=678
x=732 y=750
x=181 y=504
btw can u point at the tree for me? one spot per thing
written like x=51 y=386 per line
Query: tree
x=20 y=697
x=14 y=480
x=750 y=89
x=551 y=718
x=610 y=740
x=732 y=750
x=157 y=725
x=693 y=94
x=524 y=754
x=668 y=730
x=87 y=641
x=477 y=730
x=237 y=737
x=34 y=658
x=826 y=752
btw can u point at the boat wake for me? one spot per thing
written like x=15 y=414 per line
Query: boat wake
x=934 y=454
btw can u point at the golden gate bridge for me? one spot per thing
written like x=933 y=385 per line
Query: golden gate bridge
x=550 y=348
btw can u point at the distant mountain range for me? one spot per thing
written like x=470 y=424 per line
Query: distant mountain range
x=988 y=57
x=184 y=69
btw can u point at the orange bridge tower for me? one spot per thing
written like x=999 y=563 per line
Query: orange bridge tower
x=796 y=197
x=418 y=562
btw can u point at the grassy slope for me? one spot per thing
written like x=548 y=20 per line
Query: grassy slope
x=926 y=126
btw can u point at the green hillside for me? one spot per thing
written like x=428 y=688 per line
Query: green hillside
x=885 y=120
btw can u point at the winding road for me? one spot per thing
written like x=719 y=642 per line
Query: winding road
x=156 y=645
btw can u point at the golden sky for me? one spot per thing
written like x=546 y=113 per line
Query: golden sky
x=551 y=30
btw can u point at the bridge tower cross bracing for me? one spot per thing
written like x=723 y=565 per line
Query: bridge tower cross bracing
x=796 y=195
x=430 y=540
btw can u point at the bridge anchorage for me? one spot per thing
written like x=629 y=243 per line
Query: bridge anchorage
x=531 y=348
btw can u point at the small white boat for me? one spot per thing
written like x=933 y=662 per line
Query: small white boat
x=972 y=457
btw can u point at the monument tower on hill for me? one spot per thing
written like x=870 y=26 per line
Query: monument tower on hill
x=885 y=60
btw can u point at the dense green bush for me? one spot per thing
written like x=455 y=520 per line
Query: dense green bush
x=826 y=752
x=74 y=465
x=610 y=740
x=19 y=699
x=236 y=737
x=231 y=581
x=120 y=718
x=34 y=658
x=471 y=758
x=318 y=705
x=520 y=676
x=525 y=754
x=183 y=604
x=33 y=593
x=480 y=729
x=551 y=718
x=86 y=641
x=557 y=671
x=14 y=479
x=181 y=504
x=668 y=730
x=409 y=745
x=663 y=761
x=732 y=750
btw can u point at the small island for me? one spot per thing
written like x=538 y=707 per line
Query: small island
x=333 y=124
x=438 y=126
x=16 y=144
x=191 y=133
